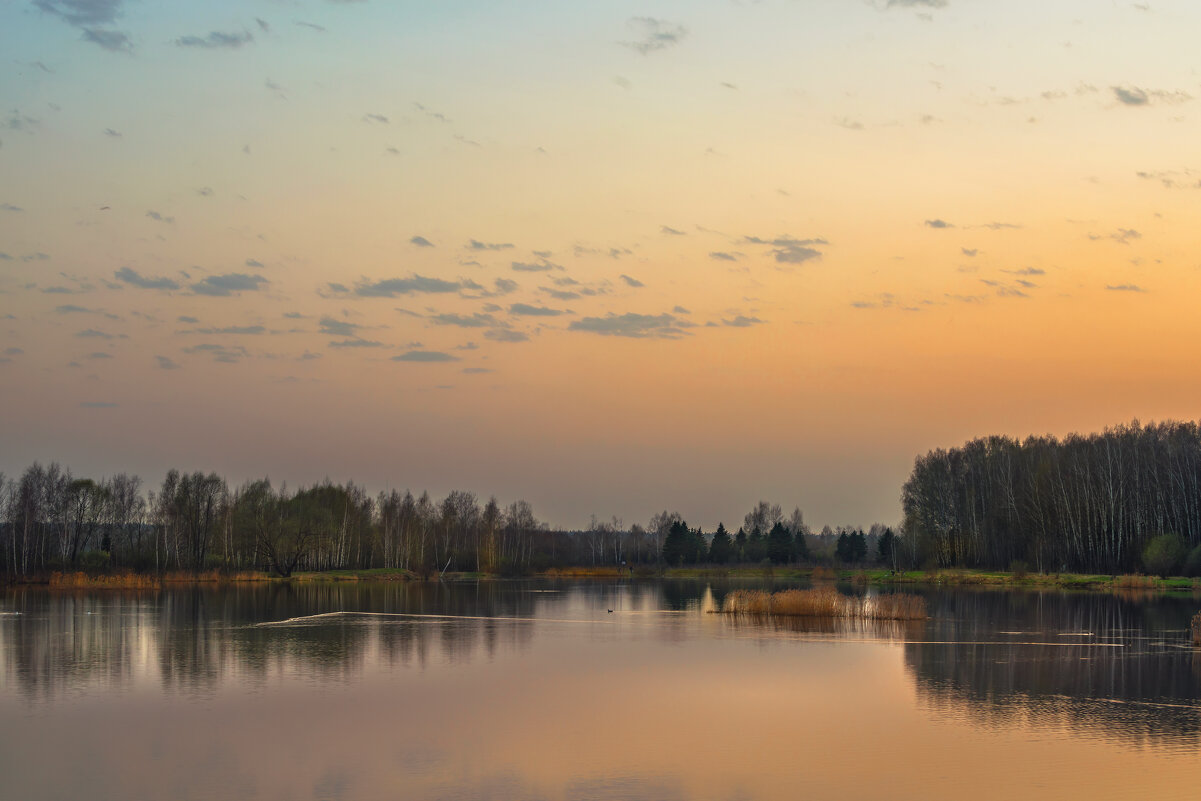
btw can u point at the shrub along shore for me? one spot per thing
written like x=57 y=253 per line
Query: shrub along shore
x=817 y=575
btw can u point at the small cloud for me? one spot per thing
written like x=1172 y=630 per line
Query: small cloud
x=938 y=224
x=391 y=287
x=165 y=363
x=337 y=328
x=187 y=319
x=969 y=252
x=225 y=285
x=1130 y=95
x=540 y=267
x=634 y=282
x=475 y=244
x=637 y=326
x=111 y=133
x=92 y=333
x=254 y=263
x=672 y=231
x=99 y=354
x=680 y=310
x=505 y=335
x=357 y=343
x=720 y=255
x=476 y=320
x=73 y=309
x=527 y=310
x=654 y=34
x=225 y=354
x=154 y=215
x=1124 y=288
x=113 y=41
x=475 y=370
x=421 y=242
x=504 y=286
x=425 y=356
x=133 y=278
x=380 y=118
x=741 y=321
x=252 y=330
x=216 y=40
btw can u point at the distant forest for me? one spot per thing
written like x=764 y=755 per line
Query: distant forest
x=1119 y=501
x=51 y=520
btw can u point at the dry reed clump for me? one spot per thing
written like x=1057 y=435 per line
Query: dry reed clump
x=825 y=602
x=1196 y=628
x=822 y=574
x=1135 y=582
x=126 y=581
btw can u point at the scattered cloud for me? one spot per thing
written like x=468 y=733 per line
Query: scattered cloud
x=225 y=285
x=1175 y=179
x=527 y=310
x=252 y=330
x=391 y=287
x=380 y=118
x=789 y=250
x=541 y=267
x=634 y=282
x=165 y=363
x=87 y=16
x=475 y=244
x=357 y=343
x=637 y=326
x=133 y=278
x=506 y=335
x=337 y=328
x=92 y=333
x=477 y=320
x=742 y=321
x=225 y=354
x=475 y=370
x=969 y=252
x=425 y=356
x=154 y=215
x=504 y=286
x=671 y=231
x=10 y=207
x=421 y=242
x=1124 y=288
x=217 y=40
x=654 y=34
x=938 y=224
x=721 y=255
x=1134 y=96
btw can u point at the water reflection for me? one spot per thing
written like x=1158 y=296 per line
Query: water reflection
x=513 y=690
x=1100 y=665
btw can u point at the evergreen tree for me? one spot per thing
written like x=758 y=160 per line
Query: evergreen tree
x=801 y=547
x=779 y=545
x=858 y=546
x=756 y=546
x=843 y=550
x=885 y=547
x=722 y=547
x=676 y=546
x=740 y=545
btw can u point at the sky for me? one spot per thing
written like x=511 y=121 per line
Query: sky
x=611 y=258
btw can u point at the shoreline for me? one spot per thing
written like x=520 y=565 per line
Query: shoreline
x=853 y=576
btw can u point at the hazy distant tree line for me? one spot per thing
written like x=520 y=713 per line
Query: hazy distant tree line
x=51 y=520
x=1092 y=503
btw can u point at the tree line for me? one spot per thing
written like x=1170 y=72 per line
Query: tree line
x=51 y=520
x=1101 y=503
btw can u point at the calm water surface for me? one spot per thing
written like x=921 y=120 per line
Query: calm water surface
x=534 y=690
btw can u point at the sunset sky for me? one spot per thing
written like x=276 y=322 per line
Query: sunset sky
x=607 y=257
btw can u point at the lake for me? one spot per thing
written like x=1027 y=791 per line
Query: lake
x=535 y=690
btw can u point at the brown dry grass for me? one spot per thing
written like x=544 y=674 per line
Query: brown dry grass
x=586 y=572
x=825 y=602
x=148 y=581
x=1134 y=582
x=822 y=574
